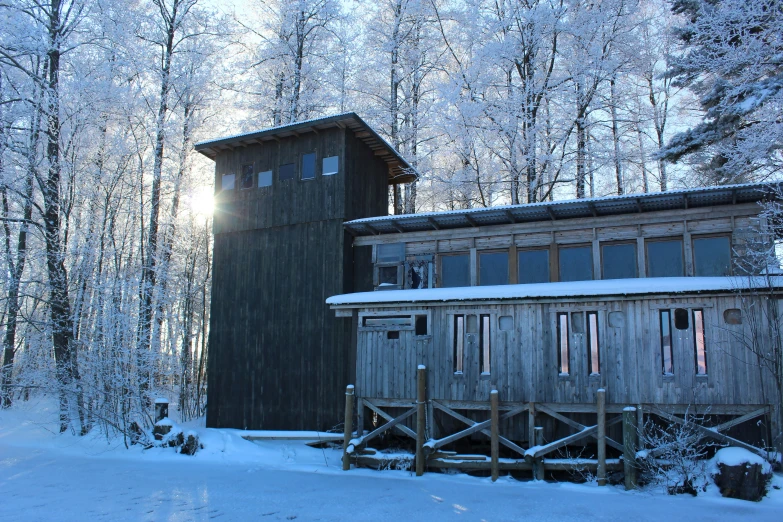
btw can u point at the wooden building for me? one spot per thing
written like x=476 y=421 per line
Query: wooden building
x=277 y=355
x=644 y=296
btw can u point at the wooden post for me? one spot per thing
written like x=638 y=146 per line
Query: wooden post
x=531 y=424
x=421 y=419
x=600 y=403
x=359 y=417
x=639 y=428
x=538 y=464
x=629 y=446
x=494 y=446
x=348 y=431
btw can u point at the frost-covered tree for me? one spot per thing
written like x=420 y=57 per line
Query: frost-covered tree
x=732 y=58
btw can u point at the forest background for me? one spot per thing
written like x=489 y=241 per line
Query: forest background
x=106 y=208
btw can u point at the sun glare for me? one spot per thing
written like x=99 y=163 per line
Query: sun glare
x=202 y=202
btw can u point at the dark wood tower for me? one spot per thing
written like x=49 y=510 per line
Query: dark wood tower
x=278 y=357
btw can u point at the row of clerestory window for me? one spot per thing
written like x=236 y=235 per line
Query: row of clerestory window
x=250 y=177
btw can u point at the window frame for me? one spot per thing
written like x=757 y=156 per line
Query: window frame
x=323 y=167
x=485 y=348
x=696 y=332
x=458 y=343
x=478 y=265
x=560 y=338
x=589 y=337
x=727 y=235
x=302 y=169
x=271 y=178
x=631 y=242
x=548 y=250
x=567 y=246
x=647 y=257
x=440 y=266
x=251 y=167
x=293 y=177
x=670 y=315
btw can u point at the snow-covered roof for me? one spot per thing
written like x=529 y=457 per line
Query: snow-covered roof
x=566 y=209
x=400 y=171
x=574 y=289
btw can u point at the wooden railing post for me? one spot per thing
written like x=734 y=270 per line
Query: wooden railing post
x=494 y=445
x=600 y=404
x=629 y=446
x=348 y=431
x=531 y=424
x=538 y=464
x=421 y=419
x=639 y=428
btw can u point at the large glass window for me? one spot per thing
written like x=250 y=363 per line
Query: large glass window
x=493 y=268
x=618 y=261
x=455 y=270
x=533 y=266
x=391 y=253
x=664 y=258
x=576 y=263
x=308 y=166
x=712 y=256
x=227 y=182
x=288 y=171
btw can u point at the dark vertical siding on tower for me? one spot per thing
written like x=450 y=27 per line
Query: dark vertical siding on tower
x=278 y=357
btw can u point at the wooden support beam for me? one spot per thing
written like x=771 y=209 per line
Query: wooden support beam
x=565 y=441
x=360 y=442
x=510 y=216
x=600 y=403
x=538 y=464
x=522 y=465
x=494 y=447
x=593 y=209
x=348 y=428
x=714 y=434
x=421 y=376
x=629 y=443
x=404 y=429
x=470 y=220
x=565 y=420
x=372 y=229
x=639 y=206
x=433 y=223
x=397 y=226
x=504 y=441
x=531 y=424
x=551 y=213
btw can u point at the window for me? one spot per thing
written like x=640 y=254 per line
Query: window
x=455 y=270
x=387 y=276
x=592 y=343
x=287 y=171
x=308 y=166
x=681 y=319
x=699 y=346
x=393 y=334
x=484 y=346
x=421 y=325
x=618 y=261
x=533 y=266
x=246 y=180
x=390 y=253
x=227 y=182
x=576 y=263
x=562 y=343
x=265 y=178
x=712 y=256
x=732 y=316
x=493 y=268
x=330 y=165
x=459 y=342
x=664 y=258
x=666 y=342
x=387 y=321
x=505 y=323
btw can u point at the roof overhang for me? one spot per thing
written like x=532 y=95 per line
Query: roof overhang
x=566 y=209
x=400 y=171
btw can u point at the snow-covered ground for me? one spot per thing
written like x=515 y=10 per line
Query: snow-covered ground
x=44 y=476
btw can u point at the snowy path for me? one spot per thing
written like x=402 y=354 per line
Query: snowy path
x=48 y=477
x=43 y=484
